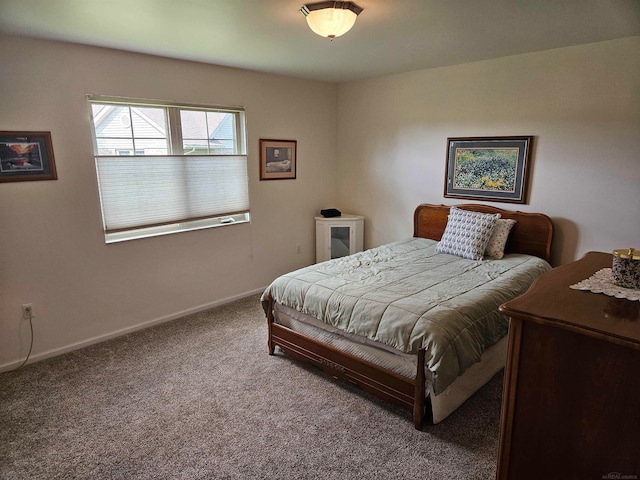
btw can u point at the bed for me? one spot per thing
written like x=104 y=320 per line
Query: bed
x=411 y=322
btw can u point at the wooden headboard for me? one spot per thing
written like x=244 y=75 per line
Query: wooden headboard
x=532 y=234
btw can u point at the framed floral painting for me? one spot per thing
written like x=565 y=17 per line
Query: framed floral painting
x=488 y=168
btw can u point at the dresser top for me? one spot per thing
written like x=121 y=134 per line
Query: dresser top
x=551 y=301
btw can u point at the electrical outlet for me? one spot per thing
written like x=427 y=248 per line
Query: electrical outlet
x=298 y=248
x=27 y=311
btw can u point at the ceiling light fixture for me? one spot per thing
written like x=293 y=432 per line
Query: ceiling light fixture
x=331 y=19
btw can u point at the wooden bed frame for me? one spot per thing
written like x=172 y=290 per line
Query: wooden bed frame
x=532 y=234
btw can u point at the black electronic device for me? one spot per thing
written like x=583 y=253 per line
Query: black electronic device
x=330 y=212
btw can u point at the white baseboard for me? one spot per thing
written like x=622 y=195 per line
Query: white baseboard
x=118 y=333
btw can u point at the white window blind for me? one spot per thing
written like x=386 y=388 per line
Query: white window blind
x=139 y=192
x=166 y=168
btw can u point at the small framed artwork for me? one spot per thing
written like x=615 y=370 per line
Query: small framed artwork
x=26 y=156
x=488 y=168
x=277 y=159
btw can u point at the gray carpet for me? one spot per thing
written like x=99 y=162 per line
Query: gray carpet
x=200 y=398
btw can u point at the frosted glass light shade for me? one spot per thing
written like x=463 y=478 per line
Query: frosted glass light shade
x=331 y=22
x=331 y=19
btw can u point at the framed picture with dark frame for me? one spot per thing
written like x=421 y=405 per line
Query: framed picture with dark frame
x=26 y=156
x=277 y=159
x=488 y=168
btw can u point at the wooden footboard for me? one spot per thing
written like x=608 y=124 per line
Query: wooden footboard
x=378 y=381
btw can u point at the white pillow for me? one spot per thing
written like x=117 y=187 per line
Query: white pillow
x=495 y=247
x=467 y=233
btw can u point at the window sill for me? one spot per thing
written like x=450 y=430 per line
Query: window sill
x=135 y=234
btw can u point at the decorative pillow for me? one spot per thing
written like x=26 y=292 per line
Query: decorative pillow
x=467 y=233
x=495 y=247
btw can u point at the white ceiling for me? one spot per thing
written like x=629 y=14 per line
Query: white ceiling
x=390 y=36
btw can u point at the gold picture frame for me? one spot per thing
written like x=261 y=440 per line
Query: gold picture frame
x=277 y=159
x=26 y=156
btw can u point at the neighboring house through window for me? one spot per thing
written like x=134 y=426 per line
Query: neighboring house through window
x=165 y=168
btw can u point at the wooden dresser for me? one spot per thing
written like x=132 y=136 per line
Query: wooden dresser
x=571 y=404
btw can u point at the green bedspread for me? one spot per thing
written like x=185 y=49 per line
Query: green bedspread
x=407 y=296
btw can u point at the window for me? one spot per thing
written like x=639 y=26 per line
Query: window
x=168 y=168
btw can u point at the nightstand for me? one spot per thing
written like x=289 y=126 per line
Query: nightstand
x=339 y=236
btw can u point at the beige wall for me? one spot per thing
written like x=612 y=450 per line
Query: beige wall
x=582 y=104
x=53 y=253
x=375 y=147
